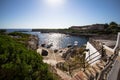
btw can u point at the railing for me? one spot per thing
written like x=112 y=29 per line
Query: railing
x=107 y=68
x=92 y=60
x=99 y=46
x=102 y=54
x=93 y=53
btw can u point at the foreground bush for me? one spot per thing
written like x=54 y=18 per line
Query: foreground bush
x=18 y=63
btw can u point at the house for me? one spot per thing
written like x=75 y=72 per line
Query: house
x=96 y=27
x=79 y=27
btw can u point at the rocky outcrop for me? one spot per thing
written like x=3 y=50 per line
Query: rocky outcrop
x=44 y=52
x=33 y=42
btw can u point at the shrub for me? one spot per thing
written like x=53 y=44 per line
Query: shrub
x=18 y=63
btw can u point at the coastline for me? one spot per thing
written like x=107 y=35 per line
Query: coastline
x=88 y=35
x=63 y=32
x=73 y=32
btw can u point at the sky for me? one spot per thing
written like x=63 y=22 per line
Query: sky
x=57 y=13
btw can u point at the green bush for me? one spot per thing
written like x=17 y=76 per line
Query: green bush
x=18 y=63
x=19 y=34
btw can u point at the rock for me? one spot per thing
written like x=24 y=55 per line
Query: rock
x=43 y=45
x=55 y=51
x=60 y=51
x=69 y=45
x=33 y=42
x=44 y=52
x=39 y=50
x=66 y=53
x=49 y=45
x=51 y=62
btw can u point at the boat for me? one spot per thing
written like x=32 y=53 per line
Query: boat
x=75 y=43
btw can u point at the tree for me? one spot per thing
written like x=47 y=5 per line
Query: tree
x=106 y=26
x=2 y=31
x=113 y=25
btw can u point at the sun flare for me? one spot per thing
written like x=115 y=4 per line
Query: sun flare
x=54 y=3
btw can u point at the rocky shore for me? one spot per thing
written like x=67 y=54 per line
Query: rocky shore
x=33 y=42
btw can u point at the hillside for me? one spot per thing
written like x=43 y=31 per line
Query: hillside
x=19 y=63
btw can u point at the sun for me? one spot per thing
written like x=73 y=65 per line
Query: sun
x=54 y=3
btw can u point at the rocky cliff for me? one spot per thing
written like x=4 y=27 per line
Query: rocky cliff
x=33 y=42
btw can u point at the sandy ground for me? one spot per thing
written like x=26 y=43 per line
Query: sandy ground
x=52 y=58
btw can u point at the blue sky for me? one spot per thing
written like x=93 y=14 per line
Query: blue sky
x=43 y=14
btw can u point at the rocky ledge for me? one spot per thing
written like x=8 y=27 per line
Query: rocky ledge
x=33 y=42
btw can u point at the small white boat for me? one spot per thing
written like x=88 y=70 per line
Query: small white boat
x=76 y=43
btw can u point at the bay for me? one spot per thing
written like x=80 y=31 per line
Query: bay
x=60 y=40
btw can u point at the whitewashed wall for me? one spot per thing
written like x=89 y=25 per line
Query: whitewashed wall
x=118 y=42
x=114 y=71
x=92 y=50
x=113 y=75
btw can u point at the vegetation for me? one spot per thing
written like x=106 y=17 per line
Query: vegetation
x=19 y=36
x=2 y=31
x=109 y=28
x=113 y=25
x=19 y=63
x=75 y=61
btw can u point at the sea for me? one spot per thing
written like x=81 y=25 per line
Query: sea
x=58 y=40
